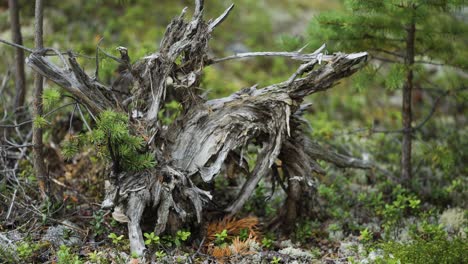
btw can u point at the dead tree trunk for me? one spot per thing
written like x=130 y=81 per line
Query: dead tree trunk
x=38 y=146
x=20 y=79
x=195 y=147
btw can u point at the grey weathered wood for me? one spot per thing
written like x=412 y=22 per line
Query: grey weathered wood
x=199 y=143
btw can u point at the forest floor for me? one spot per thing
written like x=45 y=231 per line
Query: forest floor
x=73 y=229
x=99 y=239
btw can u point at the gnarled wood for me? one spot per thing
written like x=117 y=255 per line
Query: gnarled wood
x=197 y=145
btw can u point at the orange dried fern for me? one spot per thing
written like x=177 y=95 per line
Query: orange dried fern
x=238 y=247
x=233 y=227
x=234 y=245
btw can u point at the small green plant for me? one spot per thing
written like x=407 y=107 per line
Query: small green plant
x=50 y=97
x=181 y=236
x=134 y=255
x=170 y=112
x=244 y=234
x=267 y=242
x=25 y=250
x=151 y=239
x=351 y=260
x=303 y=231
x=113 y=141
x=260 y=202
x=221 y=238
x=97 y=257
x=181 y=259
x=393 y=213
x=116 y=240
x=428 y=232
x=98 y=223
x=366 y=235
x=275 y=260
x=333 y=227
x=414 y=203
x=160 y=255
x=64 y=256
x=315 y=252
x=40 y=122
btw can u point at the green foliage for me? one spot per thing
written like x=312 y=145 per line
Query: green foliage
x=221 y=238
x=338 y=198
x=244 y=234
x=289 y=43
x=26 y=250
x=261 y=203
x=427 y=231
x=170 y=112
x=40 y=122
x=27 y=172
x=366 y=235
x=116 y=240
x=303 y=232
x=98 y=223
x=160 y=255
x=114 y=142
x=322 y=126
x=380 y=28
x=151 y=239
x=176 y=240
x=71 y=147
x=395 y=77
x=134 y=255
x=64 y=256
x=97 y=257
x=267 y=242
x=50 y=98
x=439 y=157
x=438 y=250
x=394 y=213
x=112 y=136
x=181 y=236
x=275 y=260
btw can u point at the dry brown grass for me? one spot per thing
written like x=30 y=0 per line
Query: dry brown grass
x=236 y=248
x=233 y=227
x=234 y=245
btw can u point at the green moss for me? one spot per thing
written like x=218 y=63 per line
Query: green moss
x=438 y=251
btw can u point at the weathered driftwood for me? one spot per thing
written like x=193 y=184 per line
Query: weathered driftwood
x=196 y=146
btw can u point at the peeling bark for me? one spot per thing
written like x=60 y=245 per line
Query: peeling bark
x=198 y=144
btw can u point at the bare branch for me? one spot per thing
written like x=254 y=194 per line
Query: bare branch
x=31 y=121
x=220 y=19
x=16 y=45
x=295 y=55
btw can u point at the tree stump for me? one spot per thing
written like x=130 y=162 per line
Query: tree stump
x=196 y=145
